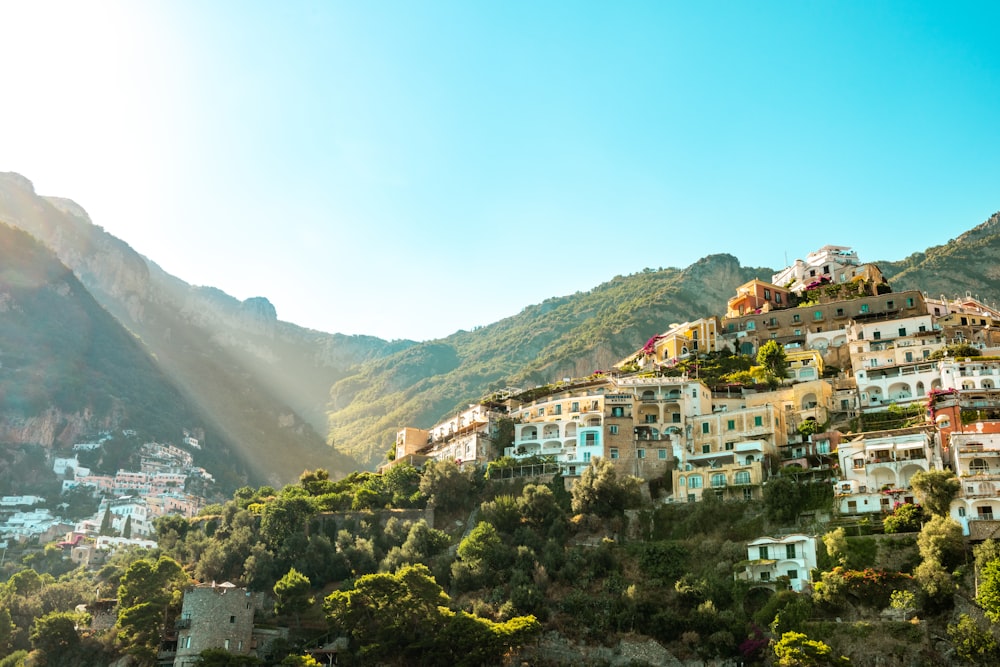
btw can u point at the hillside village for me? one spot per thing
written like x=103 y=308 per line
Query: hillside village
x=127 y=503
x=855 y=355
x=734 y=453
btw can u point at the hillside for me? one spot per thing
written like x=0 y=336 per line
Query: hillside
x=263 y=381
x=281 y=391
x=970 y=262
x=562 y=337
x=68 y=370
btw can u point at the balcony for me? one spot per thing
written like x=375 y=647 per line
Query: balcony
x=182 y=624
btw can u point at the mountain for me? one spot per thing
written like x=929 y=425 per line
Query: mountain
x=970 y=262
x=68 y=370
x=569 y=336
x=282 y=393
x=264 y=382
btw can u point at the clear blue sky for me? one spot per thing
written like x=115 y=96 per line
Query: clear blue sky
x=408 y=169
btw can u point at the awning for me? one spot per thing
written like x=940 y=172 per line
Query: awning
x=878 y=448
x=911 y=445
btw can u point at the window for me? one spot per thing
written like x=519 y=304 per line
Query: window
x=790 y=551
x=902 y=331
x=767 y=294
x=661 y=454
x=823 y=446
x=225 y=644
x=613 y=429
x=773 y=322
x=909 y=302
x=650 y=419
x=675 y=418
x=742 y=477
x=558 y=410
x=986 y=512
x=840 y=312
x=763 y=553
x=586 y=457
x=748 y=494
x=730 y=424
x=618 y=411
x=864 y=308
x=796 y=318
x=706 y=449
x=232 y=619
x=694 y=482
x=575 y=407
x=614 y=452
x=793 y=574
x=718 y=480
x=818 y=315
x=640 y=453
x=729 y=446
x=589 y=439
x=541 y=412
x=704 y=427
x=777 y=297
x=877 y=335
x=758 y=421
x=750 y=325
x=889 y=304
x=765 y=576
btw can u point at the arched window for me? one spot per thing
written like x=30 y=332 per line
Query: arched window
x=979 y=467
x=718 y=480
x=743 y=477
x=694 y=482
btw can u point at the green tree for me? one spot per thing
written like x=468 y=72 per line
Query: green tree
x=988 y=596
x=147 y=593
x=445 y=485
x=936 y=489
x=941 y=540
x=106 y=522
x=795 y=649
x=6 y=631
x=602 y=492
x=127 y=529
x=904 y=602
x=292 y=594
x=771 y=356
x=906 y=518
x=782 y=499
x=404 y=619
x=284 y=517
x=55 y=636
x=973 y=644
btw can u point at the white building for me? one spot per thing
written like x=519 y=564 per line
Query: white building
x=769 y=559
x=876 y=468
x=891 y=360
x=835 y=264
x=975 y=458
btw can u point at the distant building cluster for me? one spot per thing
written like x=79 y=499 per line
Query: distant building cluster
x=130 y=500
x=827 y=311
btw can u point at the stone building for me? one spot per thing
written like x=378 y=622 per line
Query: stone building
x=215 y=616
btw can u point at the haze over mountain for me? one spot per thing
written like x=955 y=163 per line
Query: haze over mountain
x=275 y=391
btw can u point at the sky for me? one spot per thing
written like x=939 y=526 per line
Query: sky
x=410 y=169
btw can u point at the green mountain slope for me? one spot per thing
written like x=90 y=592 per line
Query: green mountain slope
x=568 y=336
x=970 y=262
x=264 y=382
x=68 y=370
